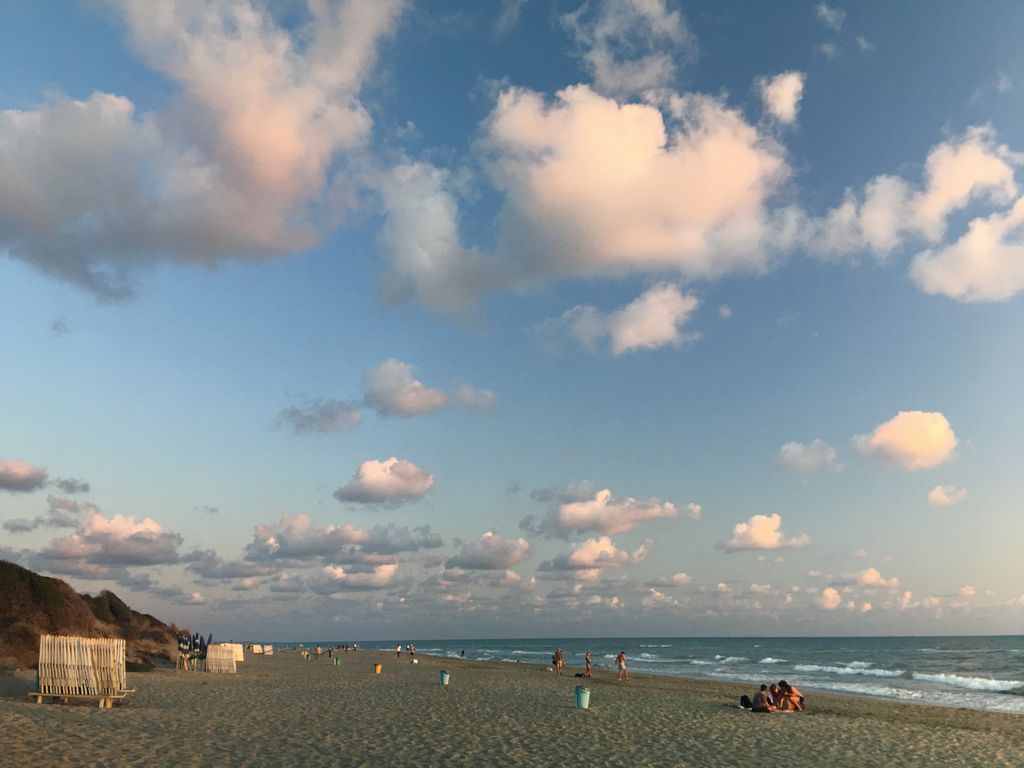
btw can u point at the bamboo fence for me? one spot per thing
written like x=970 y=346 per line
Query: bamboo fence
x=81 y=666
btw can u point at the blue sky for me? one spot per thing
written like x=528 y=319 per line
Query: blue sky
x=522 y=318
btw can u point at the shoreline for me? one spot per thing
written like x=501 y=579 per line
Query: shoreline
x=288 y=712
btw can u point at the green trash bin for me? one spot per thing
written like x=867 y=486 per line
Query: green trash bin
x=582 y=697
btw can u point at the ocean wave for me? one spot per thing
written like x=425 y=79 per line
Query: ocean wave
x=646 y=655
x=970 y=683
x=770 y=660
x=702 y=663
x=849 y=670
x=731 y=659
x=655 y=646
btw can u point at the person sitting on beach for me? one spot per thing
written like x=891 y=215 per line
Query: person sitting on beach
x=775 y=693
x=791 y=699
x=762 y=701
x=620 y=662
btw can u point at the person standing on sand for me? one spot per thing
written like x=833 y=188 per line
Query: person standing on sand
x=559 y=660
x=586 y=659
x=620 y=662
x=398 y=651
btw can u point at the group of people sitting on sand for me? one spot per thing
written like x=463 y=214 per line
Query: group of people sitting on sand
x=775 y=698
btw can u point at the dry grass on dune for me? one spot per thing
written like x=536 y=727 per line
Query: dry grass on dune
x=283 y=711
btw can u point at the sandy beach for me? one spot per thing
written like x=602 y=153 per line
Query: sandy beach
x=285 y=711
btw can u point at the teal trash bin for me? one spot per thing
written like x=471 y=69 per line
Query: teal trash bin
x=582 y=697
x=445 y=677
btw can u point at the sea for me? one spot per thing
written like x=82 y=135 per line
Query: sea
x=985 y=673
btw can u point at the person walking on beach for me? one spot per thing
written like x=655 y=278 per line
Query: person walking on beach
x=559 y=660
x=586 y=659
x=620 y=662
x=398 y=651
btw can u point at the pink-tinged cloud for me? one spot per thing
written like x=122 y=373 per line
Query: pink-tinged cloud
x=392 y=481
x=946 y=495
x=872 y=577
x=21 y=477
x=781 y=95
x=336 y=579
x=608 y=515
x=762 y=532
x=295 y=537
x=985 y=264
x=237 y=168
x=594 y=187
x=490 y=552
x=119 y=540
x=392 y=390
x=829 y=599
x=911 y=439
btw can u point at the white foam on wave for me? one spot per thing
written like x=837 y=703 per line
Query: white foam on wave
x=849 y=670
x=732 y=659
x=970 y=683
x=655 y=646
x=702 y=663
x=770 y=660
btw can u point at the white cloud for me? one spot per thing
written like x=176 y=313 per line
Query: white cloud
x=725 y=311
x=650 y=321
x=630 y=46
x=872 y=577
x=335 y=579
x=781 y=95
x=961 y=170
x=829 y=599
x=92 y=189
x=828 y=50
x=322 y=415
x=968 y=591
x=295 y=537
x=475 y=399
x=1003 y=83
x=392 y=390
x=762 y=532
x=831 y=16
x=602 y=553
x=946 y=495
x=490 y=552
x=675 y=580
x=120 y=540
x=587 y=559
x=912 y=439
x=592 y=187
x=20 y=476
x=608 y=515
x=864 y=44
x=391 y=481
x=809 y=457
x=985 y=264
x=656 y=599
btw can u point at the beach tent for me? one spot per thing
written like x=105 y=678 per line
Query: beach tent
x=81 y=667
x=220 y=658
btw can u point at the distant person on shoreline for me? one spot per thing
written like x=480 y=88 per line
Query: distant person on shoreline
x=586 y=659
x=462 y=654
x=398 y=651
x=558 y=660
x=620 y=662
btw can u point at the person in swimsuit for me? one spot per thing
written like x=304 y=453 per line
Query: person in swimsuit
x=620 y=662
x=586 y=659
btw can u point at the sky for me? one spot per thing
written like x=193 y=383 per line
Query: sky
x=348 y=319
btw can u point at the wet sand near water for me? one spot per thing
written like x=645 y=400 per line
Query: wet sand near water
x=283 y=711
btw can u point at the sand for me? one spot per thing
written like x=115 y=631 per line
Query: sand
x=284 y=711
